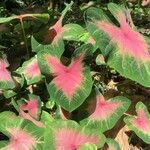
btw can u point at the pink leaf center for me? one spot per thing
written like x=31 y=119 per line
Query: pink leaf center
x=141 y=122
x=32 y=69
x=20 y=140
x=103 y=109
x=31 y=106
x=66 y=78
x=129 y=42
x=68 y=139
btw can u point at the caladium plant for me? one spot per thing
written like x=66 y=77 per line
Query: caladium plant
x=60 y=92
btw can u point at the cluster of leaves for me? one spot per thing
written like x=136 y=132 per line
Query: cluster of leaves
x=83 y=114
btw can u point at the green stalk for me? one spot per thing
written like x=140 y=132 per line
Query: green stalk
x=24 y=36
x=13 y=102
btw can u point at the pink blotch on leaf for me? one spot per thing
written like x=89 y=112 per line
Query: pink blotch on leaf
x=102 y=109
x=32 y=69
x=67 y=78
x=141 y=122
x=4 y=74
x=20 y=140
x=69 y=139
x=129 y=42
x=31 y=106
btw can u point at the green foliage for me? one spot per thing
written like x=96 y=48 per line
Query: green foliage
x=60 y=73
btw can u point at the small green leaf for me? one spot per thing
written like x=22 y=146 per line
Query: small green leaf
x=9 y=93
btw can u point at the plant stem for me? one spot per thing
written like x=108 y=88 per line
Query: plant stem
x=13 y=102
x=24 y=36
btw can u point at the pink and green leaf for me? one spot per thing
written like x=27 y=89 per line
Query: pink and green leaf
x=31 y=71
x=21 y=136
x=75 y=136
x=117 y=44
x=112 y=144
x=32 y=105
x=72 y=93
x=101 y=113
x=6 y=81
x=140 y=124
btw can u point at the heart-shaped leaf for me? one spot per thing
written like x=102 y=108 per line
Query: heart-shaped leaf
x=140 y=124
x=102 y=114
x=72 y=93
x=68 y=135
x=125 y=49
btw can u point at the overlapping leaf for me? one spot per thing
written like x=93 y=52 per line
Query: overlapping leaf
x=125 y=49
x=30 y=109
x=102 y=114
x=140 y=124
x=68 y=135
x=21 y=136
x=32 y=105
